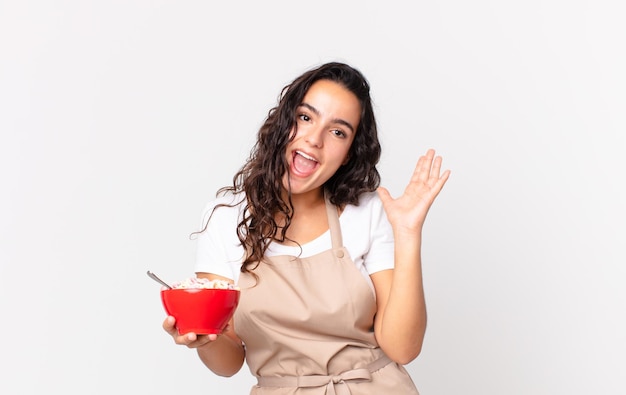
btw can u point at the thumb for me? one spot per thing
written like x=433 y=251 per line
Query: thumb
x=384 y=195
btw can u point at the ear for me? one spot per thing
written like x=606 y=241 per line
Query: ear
x=345 y=161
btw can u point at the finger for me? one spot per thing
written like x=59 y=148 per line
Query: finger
x=185 y=339
x=205 y=339
x=169 y=325
x=424 y=165
x=418 y=173
x=384 y=195
x=441 y=181
x=199 y=340
x=444 y=177
x=436 y=168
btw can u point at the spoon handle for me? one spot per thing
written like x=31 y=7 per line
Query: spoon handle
x=157 y=279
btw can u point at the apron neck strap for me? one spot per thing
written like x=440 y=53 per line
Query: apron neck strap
x=333 y=223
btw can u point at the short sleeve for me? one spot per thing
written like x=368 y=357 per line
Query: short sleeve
x=380 y=254
x=218 y=249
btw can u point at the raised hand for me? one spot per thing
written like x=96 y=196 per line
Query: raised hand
x=408 y=212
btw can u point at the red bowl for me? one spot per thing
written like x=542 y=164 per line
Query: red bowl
x=200 y=310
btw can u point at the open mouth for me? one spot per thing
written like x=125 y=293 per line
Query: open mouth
x=304 y=164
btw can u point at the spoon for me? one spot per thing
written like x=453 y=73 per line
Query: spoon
x=157 y=279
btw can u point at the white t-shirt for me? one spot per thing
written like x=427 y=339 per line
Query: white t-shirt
x=365 y=230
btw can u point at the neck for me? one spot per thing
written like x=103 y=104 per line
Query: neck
x=306 y=201
x=309 y=218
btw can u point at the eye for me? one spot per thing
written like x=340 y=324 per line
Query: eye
x=339 y=133
x=304 y=117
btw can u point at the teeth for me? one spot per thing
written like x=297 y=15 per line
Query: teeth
x=306 y=156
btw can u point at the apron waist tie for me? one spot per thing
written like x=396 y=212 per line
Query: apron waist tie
x=363 y=374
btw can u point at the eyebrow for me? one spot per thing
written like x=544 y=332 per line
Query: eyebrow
x=336 y=120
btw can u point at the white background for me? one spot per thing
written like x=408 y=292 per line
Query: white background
x=120 y=119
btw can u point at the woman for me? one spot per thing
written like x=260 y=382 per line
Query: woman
x=328 y=263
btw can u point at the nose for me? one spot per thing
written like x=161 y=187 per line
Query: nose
x=315 y=137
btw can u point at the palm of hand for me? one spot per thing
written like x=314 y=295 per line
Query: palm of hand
x=408 y=212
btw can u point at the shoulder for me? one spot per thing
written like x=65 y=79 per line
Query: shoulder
x=367 y=234
x=224 y=208
x=369 y=203
x=370 y=199
x=368 y=214
x=219 y=250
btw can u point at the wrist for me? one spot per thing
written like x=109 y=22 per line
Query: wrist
x=408 y=235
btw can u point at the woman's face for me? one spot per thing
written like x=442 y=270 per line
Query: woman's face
x=327 y=120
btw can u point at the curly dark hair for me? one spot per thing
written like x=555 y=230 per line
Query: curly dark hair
x=261 y=177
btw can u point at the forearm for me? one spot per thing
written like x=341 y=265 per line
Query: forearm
x=401 y=318
x=403 y=325
x=223 y=356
